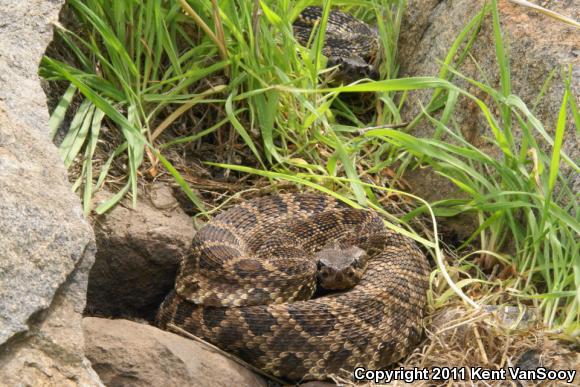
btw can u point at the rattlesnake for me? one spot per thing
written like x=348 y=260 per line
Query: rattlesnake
x=247 y=284
x=349 y=43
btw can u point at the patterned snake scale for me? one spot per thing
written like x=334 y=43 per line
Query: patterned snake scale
x=247 y=284
x=348 y=42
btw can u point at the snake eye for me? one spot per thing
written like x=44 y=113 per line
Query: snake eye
x=324 y=274
x=350 y=273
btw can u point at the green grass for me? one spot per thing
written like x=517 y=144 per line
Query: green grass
x=130 y=65
x=140 y=68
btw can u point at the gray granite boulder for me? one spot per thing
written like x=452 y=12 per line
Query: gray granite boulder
x=46 y=245
x=537 y=44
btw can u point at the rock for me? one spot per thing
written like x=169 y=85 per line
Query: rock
x=127 y=353
x=457 y=228
x=52 y=352
x=537 y=44
x=138 y=254
x=320 y=384
x=46 y=245
x=161 y=197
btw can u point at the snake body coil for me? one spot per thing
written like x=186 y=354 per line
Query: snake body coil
x=349 y=43
x=247 y=284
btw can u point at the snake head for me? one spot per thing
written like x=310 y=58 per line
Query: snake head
x=340 y=269
x=353 y=68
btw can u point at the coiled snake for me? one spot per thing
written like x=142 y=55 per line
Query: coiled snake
x=247 y=284
x=349 y=43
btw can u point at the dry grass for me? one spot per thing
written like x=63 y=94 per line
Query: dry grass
x=457 y=337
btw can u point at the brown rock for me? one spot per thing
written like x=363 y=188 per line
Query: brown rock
x=138 y=254
x=125 y=353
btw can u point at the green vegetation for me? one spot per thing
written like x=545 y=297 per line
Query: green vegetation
x=139 y=67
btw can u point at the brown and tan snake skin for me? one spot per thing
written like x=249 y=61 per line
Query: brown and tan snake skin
x=247 y=284
x=349 y=42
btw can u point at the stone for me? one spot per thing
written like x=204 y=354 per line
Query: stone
x=536 y=43
x=52 y=353
x=139 y=250
x=46 y=245
x=317 y=383
x=128 y=353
